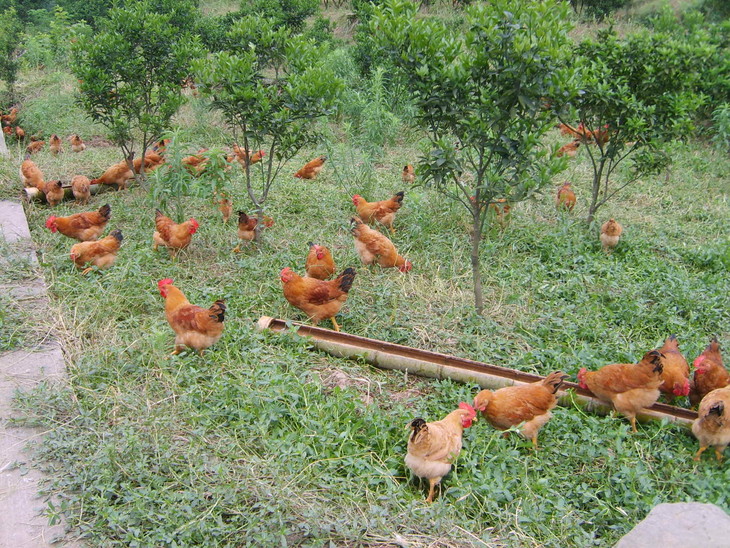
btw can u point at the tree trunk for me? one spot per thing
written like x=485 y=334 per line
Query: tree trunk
x=476 y=238
x=597 y=176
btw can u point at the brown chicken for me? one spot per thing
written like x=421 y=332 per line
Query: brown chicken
x=19 y=133
x=55 y=145
x=152 y=160
x=243 y=155
x=372 y=246
x=101 y=253
x=675 y=373
x=35 y=146
x=409 y=174
x=84 y=227
x=318 y=299
x=311 y=169
x=10 y=118
x=118 y=174
x=247 y=228
x=710 y=373
x=527 y=403
x=566 y=197
x=31 y=175
x=160 y=147
x=319 y=262
x=77 y=145
x=570 y=150
x=610 y=234
x=629 y=387
x=383 y=211
x=434 y=446
x=80 y=186
x=226 y=207
x=500 y=209
x=195 y=327
x=712 y=425
x=171 y=235
x=53 y=191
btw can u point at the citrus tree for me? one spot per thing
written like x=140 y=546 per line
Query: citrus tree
x=271 y=87
x=481 y=90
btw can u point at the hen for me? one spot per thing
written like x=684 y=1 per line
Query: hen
x=55 y=145
x=629 y=387
x=77 y=145
x=409 y=174
x=566 y=197
x=434 y=446
x=80 y=186
x=35 y=146
x=118 y=174
x=318 y=299
x=675 y=370
x=382 y=211
x=500 y=209
x=81 y=226
x=710 y=373
x=528 y=403
x=311 y=169
x=319 y=263
x=171 y=235
x=247 y=228
x=195 y=327
x=570 y=150
x=152 y=160
x=101 y=253
x=31 y=175
x=610 y=234
x=53 y=191
x=712 y=425
x=372 y=246
x=243 y=155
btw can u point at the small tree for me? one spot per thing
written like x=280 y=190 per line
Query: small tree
x=271 y=92
x=10 y=30
x=481 y=91
x=130 y=73
x=635 y=93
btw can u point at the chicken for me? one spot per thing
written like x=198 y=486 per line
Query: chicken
x=161 y=146
x=118 y=174
x=226 y=207
x=84 y=227
x=242 y=155
x=712 y=425
x=318 y=299
x=434 y=446
x=710 y=373
x=10 y=118
x=101 y=253
x=247 y=228
x=570 y=150
x=675 y=370
x=372 y=246
x=7 y=130
x=195 y=327
x=383 y=211
x=566 y=197
x=31 y=175
x=173 y=236
x=610 y=234
x=568 y=130
x=409 y=175
x=527 y=403
x=19 y=133
x=629 y=387
x=54 y=192
x=152 y=160
x=77 y=145
x=80 y=185
x=35 y=146
x=311 y=169
x=500 y=208
x=319 y=262
x=55 y=145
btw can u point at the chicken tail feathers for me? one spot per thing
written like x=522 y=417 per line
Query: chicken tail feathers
x=717 y=409
x=417 y=425
x=117 y=234
x=554 y=380
x=105 y=211
x=399 y=196
x=345 y=279
x=218 y=311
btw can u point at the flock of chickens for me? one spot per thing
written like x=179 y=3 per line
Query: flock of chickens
x=432 y=446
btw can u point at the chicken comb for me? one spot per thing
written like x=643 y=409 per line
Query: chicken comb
x=467 y=407
x=163 y=283
x=50 y=221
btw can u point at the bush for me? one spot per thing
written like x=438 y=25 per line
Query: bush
x=597 y=8
x=721 y=126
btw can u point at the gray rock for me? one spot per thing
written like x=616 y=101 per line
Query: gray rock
x=680 y=525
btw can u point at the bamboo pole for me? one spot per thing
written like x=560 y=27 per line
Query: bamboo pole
x=32 y=194
x=442 y=366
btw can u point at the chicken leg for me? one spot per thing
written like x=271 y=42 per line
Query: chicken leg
x=699 y=453
x=334 y=324
x=431 y=492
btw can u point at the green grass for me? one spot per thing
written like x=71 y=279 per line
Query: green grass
x=266 y=442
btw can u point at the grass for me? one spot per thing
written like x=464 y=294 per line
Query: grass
x=266 y=442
